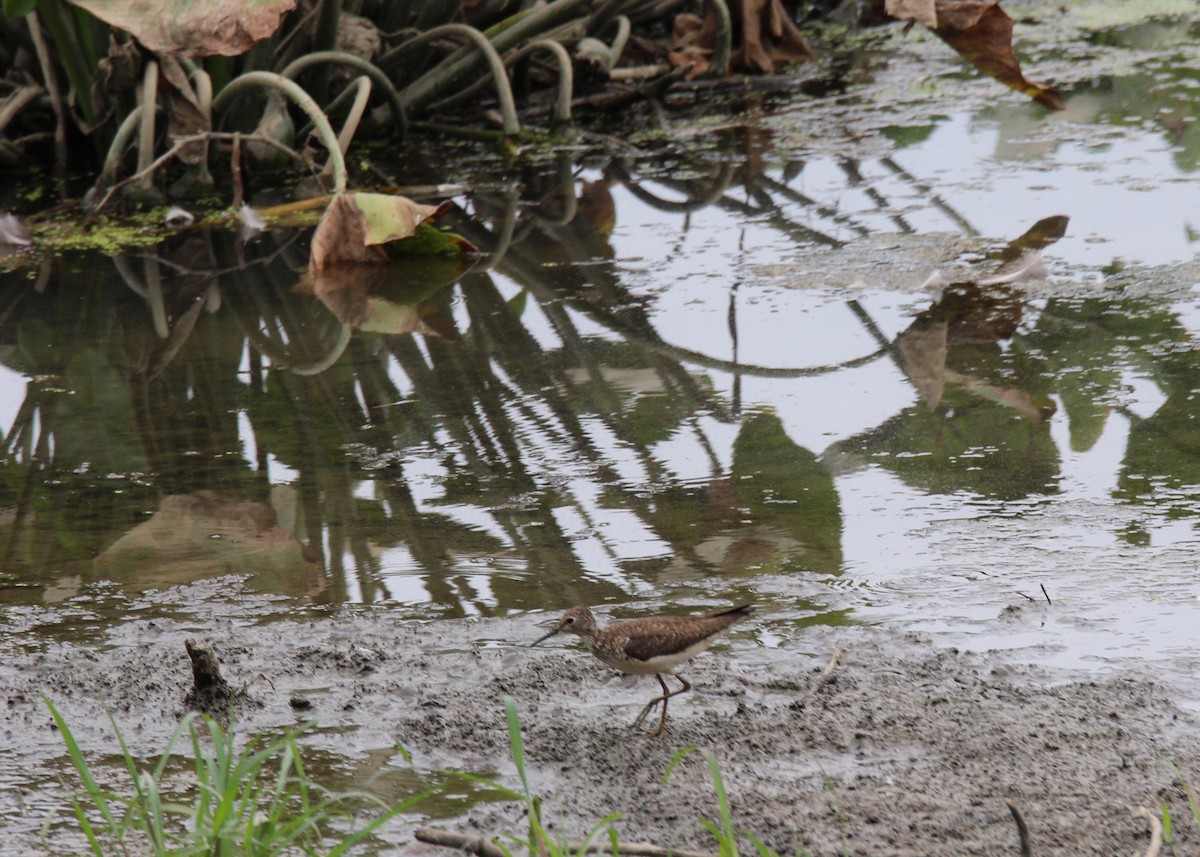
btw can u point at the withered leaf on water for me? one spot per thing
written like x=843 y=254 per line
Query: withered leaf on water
x=350 y=271
x=355 y=224
x=982 y=33
x=193 y=27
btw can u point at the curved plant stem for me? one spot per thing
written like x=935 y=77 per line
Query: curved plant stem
x=504 y=36
x=146 y=131
x=362 y=94
x=566 y=78
x=112 y=162
x=508 y=107
x=302 y=100
x=624 y=28
x=566 y=73
x=368 y=68
x=329 y=14
x=719 y=65
x=204 y=94
x=56 y=101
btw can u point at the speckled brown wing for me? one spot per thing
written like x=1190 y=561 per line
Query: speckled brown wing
x=670 y=635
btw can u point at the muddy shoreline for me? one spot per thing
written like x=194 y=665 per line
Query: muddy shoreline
x=905 y=748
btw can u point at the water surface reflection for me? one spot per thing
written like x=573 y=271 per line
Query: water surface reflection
x=613 y=403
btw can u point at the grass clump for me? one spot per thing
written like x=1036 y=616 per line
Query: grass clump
x=252 y=802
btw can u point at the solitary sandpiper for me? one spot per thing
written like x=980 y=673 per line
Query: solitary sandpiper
x=653 y=645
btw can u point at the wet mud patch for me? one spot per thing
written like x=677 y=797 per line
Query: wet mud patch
x=902 y=749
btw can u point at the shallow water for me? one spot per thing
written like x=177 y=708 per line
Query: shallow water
x=715 y=371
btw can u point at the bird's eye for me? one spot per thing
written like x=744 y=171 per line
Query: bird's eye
x=570 y=620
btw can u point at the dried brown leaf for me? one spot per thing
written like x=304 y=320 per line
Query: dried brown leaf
x=355 y=224
x=692 y=43
x=193 y=27
x=921 y=11
x=982 y=33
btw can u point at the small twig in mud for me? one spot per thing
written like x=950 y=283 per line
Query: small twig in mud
x=1047 y=594
x=1026 y=597
x=450 y=839
x=1022 y=829
x=486 y=848
x=822 y=678
x=635 y=849
x=179 y=146
x=1156 y=831
x=183 y=142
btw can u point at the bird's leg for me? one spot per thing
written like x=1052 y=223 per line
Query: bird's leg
x=662 y=724
x=641 y=718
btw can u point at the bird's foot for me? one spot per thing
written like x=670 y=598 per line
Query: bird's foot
x=650 y=706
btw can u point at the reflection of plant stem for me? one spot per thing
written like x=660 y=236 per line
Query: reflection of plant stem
x=885 y=344
x=689 y=356
x=694 y=202
x=850 y=168
x=776 y=218
x=39 y=464
x=936 y=199
x=823 y=210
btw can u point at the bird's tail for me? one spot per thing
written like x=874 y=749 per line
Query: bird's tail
x=742 y=612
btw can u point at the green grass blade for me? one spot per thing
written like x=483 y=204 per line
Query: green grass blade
x=675 y=760
x=722 y=802
x=97 y=794
x=515 y=741
x=759 y=846
x=359 y=835
x=599 y=827
x=86 y=826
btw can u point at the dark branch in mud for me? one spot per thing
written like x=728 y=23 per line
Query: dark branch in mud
x=210 y=692
x=486 y=848
x=1022 y=829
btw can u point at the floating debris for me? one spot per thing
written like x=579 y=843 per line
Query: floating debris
x=252 y=223
x=177 y=217
x=13 y=231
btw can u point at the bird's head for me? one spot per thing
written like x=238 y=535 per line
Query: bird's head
x=577 y=620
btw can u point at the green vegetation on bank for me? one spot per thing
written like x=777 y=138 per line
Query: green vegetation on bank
x=252 y=802
x=219 y=800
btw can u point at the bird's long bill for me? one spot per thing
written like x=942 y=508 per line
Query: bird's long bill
x=543 y=639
